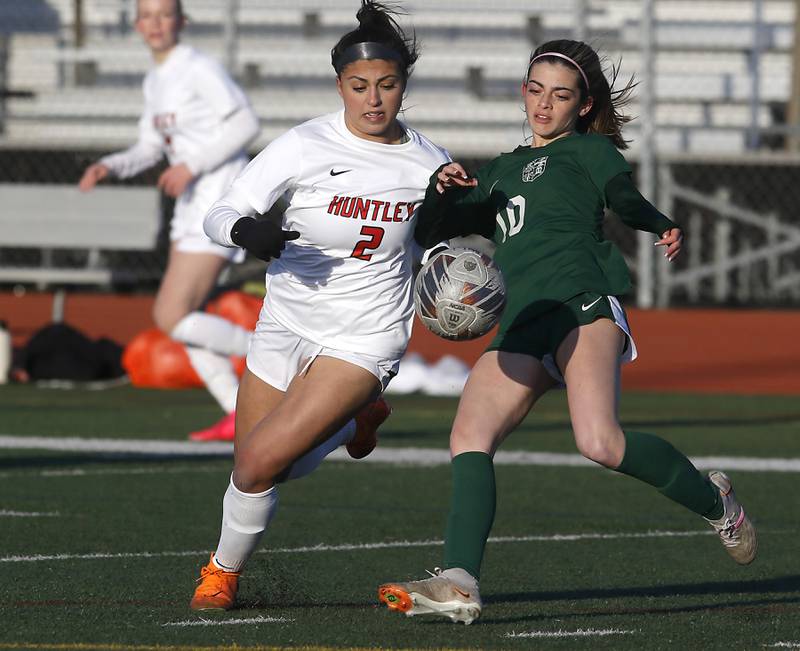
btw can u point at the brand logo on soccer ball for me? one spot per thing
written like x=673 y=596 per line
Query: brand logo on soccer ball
x=534 y=169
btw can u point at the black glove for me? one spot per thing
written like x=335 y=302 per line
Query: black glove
x=263 y=238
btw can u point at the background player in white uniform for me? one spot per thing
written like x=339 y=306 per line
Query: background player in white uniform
x=196 y=115
x=338 y=309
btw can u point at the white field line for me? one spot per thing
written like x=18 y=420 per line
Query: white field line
x=28 y=514
x=322 y=547
x=389 y=455
x=231 y=622
x=782 y=645
x=589 y=632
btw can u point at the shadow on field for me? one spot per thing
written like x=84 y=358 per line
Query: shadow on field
x=54 y=462
x=719 y=590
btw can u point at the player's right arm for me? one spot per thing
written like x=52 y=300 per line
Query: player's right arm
x=231 y=220
x=455 y=205
x=147 y=152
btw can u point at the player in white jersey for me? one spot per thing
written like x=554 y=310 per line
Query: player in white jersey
x=338 y=309
x=198 y=117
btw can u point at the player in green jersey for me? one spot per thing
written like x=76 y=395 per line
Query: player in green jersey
x=543 y=206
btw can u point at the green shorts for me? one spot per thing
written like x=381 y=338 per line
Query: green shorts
x=542 y=336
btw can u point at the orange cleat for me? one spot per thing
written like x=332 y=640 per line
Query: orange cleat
x=368 y=420
x=395 y=597
x=217 y=589
x=223 y=430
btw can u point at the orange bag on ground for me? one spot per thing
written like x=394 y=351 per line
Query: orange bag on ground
x=238 y=307
x=152 y=359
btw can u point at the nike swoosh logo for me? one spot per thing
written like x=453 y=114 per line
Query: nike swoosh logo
x=586 y=307
x=461 y=592
x=334 y=173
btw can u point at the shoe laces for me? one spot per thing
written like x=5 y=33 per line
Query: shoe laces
x=215 y=576
x=728 y=530
x=437 y=571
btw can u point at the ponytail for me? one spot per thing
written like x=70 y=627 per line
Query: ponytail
x=378 y=36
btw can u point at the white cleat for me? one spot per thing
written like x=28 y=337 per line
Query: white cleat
x=438 y=595
x=734 y=527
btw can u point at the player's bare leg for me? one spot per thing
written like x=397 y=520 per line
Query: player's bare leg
x=589 y=357
x=275 y=429
x=589 y=360
x=187 y=281
x=501 y=389
x=314 y=407
x=209 y=339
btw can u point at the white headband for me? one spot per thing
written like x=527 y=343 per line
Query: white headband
x=566 y=58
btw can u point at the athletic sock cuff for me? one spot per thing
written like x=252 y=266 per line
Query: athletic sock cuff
x=244 y=495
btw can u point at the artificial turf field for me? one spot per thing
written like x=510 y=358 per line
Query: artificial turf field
x=100 y=549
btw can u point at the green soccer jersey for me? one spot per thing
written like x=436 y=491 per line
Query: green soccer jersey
x=544 y=208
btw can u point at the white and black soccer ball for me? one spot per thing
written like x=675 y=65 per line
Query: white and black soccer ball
x=459 y=294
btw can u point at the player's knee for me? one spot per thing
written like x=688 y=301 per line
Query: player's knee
x=253 y=473
x=163 y=319
x=166 y=317
x=465 y=438
x=601 y=445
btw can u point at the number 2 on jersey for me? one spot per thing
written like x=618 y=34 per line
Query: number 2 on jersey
x=375 y=234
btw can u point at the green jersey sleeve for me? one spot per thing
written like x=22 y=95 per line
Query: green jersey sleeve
x=602 y=161
x=457 y=212
x=633 y=209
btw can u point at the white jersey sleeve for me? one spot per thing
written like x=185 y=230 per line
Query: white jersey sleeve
x=238 y=122
x=259 y=185
x=237 y=131
x=148 y=150
x=214 y=86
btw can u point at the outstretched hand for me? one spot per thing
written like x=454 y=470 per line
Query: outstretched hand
x=263 y=238
x=93 y=174
x=453 y=175
x=673 y=240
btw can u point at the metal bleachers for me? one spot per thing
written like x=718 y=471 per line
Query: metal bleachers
x=465 y=86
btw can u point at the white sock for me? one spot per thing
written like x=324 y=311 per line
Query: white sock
x=212 y=332
x=306 y=464
x=217 y=374
x=245 y=517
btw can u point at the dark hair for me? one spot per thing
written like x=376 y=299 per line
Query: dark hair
x=178 y=8
x=377 y=25
x=605 y=116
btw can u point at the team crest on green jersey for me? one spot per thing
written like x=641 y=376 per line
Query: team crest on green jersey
x=534 y=169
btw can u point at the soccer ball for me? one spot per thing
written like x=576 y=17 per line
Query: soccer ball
x=459 y=294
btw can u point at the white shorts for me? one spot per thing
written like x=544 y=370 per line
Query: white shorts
x=277 y=355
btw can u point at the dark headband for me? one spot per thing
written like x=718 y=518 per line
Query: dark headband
x=366 y=50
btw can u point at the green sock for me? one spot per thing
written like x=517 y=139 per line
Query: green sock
x=471 y=511
x=656 y=462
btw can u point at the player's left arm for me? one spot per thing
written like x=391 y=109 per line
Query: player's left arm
x=236 y=131
x=455 y=205
x=239 y=126
x=634 y=210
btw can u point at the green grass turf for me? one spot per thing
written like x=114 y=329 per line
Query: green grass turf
x=666 y=592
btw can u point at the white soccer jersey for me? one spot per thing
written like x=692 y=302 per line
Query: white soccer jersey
x=345 y=282
x=187 y=98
